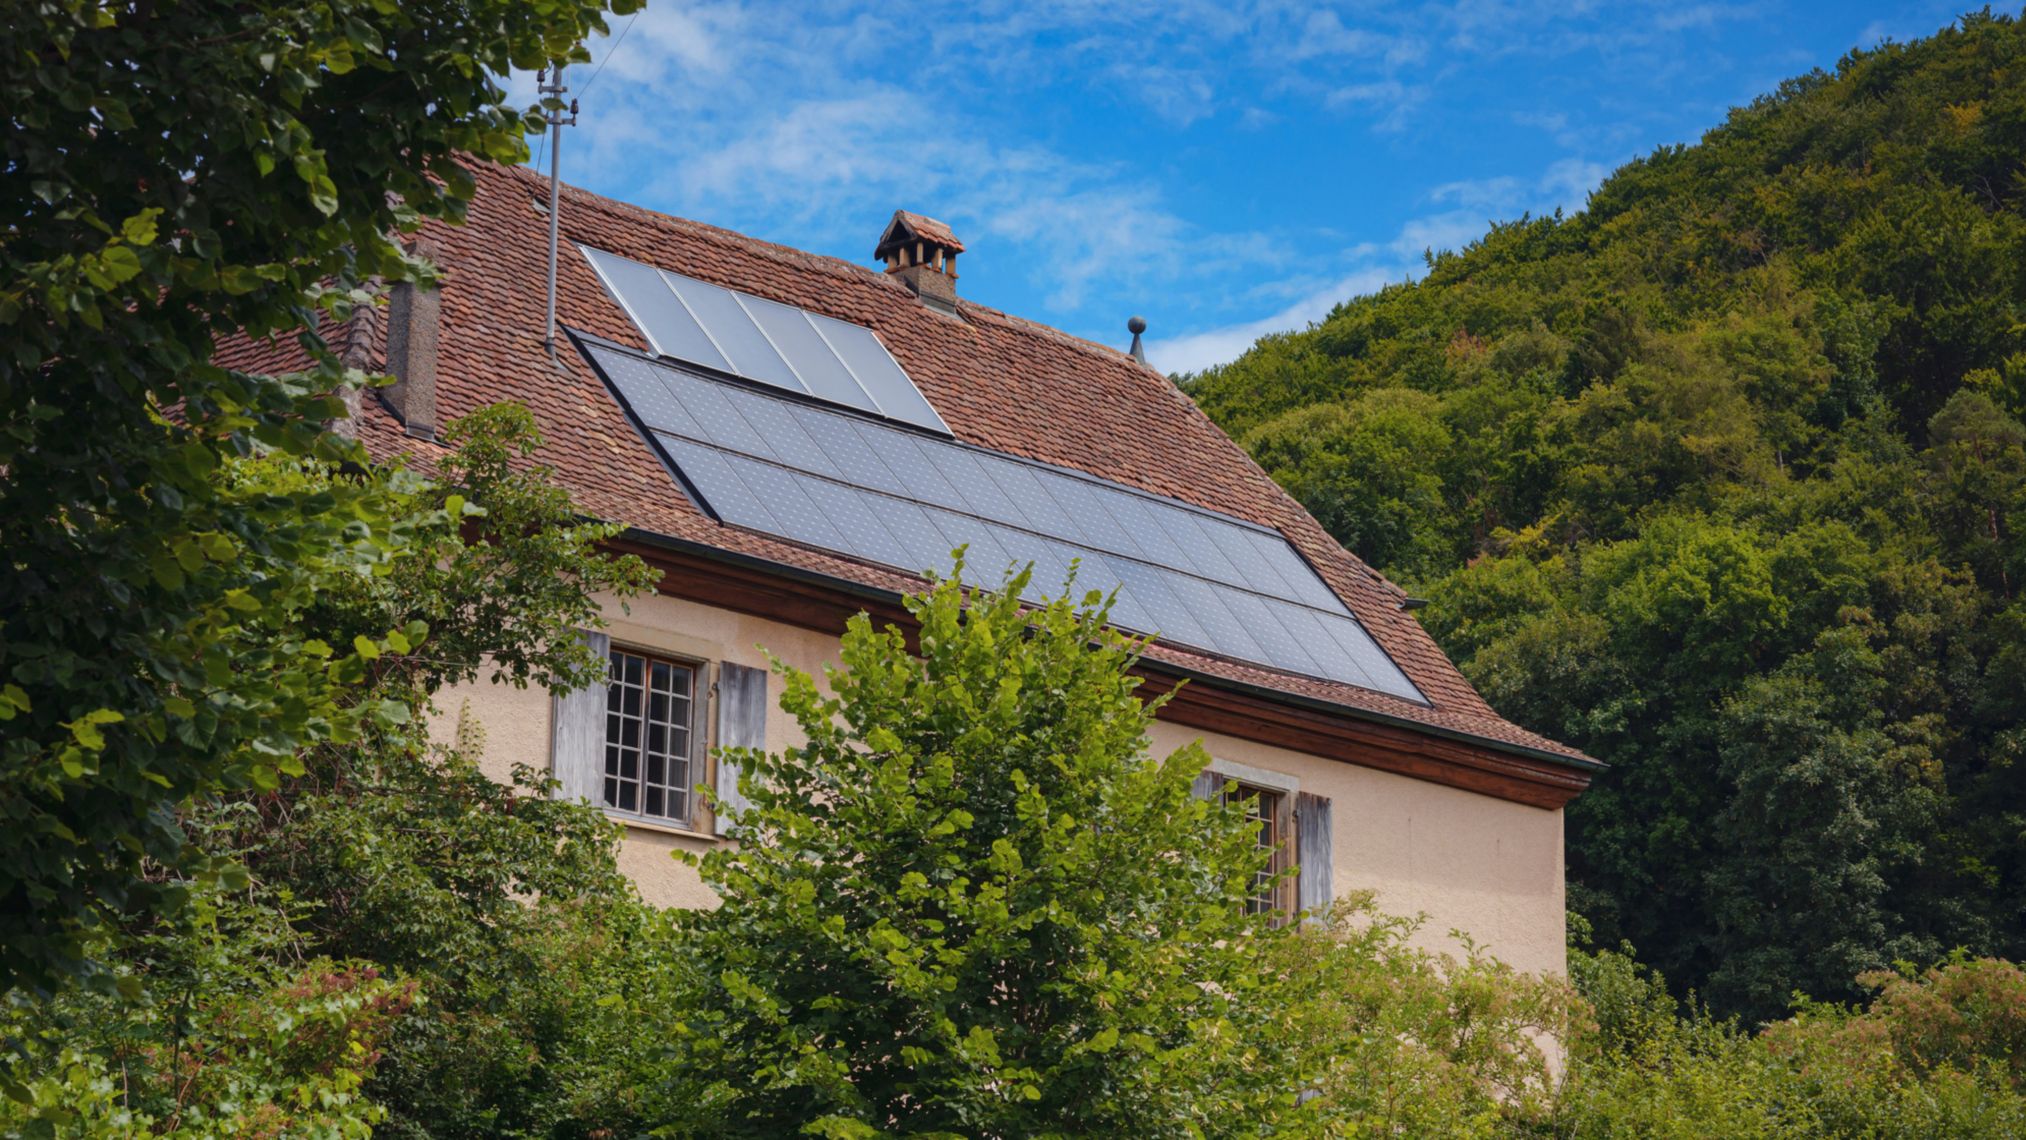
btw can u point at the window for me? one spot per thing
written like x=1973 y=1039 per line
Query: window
x=650 y=736
x=1267 y=808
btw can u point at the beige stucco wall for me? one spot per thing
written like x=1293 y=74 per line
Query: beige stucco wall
x=1469 y=862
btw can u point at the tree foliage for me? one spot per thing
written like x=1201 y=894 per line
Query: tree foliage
x=398 y=940
x=970 y=903
x=1722 y=479
x=1933 y=1053
x=173 y=174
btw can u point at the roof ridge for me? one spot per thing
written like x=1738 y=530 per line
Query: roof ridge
x=744 y=242
x=821 y=261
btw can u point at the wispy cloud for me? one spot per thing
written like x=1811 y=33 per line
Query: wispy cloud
x=1197 y=351
x=1563 y=185
x=1029 y=125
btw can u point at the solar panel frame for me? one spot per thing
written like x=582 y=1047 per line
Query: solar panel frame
x=1087 y=507
x=840 y=481
x=763 y=340
x=750 y=351
x=711 y=473
x=820 y=369
x=660 y=314
x=888 y=385
x=849 y=508
x=920 y=478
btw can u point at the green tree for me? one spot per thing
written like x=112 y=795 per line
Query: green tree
x=176 y=173
x=1685 y=472
x=971 y=904
x=474 y=935
x=1367 y=470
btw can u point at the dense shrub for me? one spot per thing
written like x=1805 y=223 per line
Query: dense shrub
x=1935 y=1053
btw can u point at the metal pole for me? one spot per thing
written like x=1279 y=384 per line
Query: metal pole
x=555 y=202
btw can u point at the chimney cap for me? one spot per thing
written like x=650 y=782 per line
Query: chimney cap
x=908 y=227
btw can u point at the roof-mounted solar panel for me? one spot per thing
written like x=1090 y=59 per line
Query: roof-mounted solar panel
x=764 y=341
x=846 y=483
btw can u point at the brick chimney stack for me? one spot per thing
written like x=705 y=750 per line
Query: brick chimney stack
x=414 y=317
x=922 y=252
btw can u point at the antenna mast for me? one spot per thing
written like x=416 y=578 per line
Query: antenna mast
x=555 y=90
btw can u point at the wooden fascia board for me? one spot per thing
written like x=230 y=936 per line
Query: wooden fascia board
x=814 y=601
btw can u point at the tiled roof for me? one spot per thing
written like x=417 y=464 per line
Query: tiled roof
x=998 y=381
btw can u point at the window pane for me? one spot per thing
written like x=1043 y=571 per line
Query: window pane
x=648 y=736
x=1262 y=807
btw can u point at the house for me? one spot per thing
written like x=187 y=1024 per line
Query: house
x=791 y=438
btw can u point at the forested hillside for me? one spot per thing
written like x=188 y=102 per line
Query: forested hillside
x=1723 y=479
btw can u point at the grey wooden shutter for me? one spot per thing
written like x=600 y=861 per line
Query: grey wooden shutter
x=1313 y=890
x=577 y=733
x=742 y=723
x=1207 y=785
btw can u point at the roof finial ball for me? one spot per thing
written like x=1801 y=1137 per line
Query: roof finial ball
x=1136 y=326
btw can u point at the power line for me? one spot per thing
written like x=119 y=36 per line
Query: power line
x=615 y=51
x=631 y=20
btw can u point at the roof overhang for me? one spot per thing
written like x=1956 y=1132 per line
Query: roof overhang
x=808 y=599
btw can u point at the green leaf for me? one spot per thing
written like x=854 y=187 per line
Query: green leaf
x=365 y=648
x=140 y=229
x=162 y=564
x=85 y=729
x=119 y=264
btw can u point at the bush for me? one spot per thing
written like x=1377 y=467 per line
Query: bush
x=1936 y=1053
x=1395 y=1040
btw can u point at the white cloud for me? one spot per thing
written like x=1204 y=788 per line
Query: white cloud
x=1197 y=351
x=809 y=124
x=1563 y=184
x=1570 y=180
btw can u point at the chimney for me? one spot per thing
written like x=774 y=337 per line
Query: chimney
x=412 y=318
x=922 y=252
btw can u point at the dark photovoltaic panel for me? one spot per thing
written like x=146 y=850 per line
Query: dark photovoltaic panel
x=763 y=340
x=850 y=484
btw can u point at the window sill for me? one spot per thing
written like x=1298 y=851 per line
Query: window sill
x=642 y=823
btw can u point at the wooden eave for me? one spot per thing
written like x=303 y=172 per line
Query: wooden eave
x=819 y=602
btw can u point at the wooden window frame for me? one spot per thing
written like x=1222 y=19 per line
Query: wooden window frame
x=696 y=756
x=1275 y=813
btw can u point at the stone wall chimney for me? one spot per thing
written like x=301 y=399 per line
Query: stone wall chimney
x=922 y=252
x=413 y=315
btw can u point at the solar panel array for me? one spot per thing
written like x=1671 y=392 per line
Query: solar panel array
x=889 y=495
x=764 y=340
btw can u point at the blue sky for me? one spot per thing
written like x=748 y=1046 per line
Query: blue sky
x=1224 y=169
